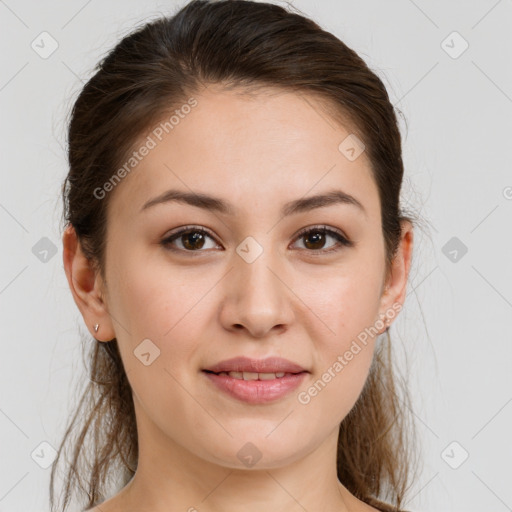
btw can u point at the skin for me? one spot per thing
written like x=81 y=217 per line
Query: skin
x=257 y=152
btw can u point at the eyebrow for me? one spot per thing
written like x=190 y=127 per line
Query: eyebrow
x=219 y=205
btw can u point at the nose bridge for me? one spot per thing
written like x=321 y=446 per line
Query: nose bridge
x=258 y=295
x=256 y=266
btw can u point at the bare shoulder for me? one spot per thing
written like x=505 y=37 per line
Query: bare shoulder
x=107 y=506
x=369 y=508
x=374 y=506
x=120 y=502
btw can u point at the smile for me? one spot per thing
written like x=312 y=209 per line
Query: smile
x=255 y=388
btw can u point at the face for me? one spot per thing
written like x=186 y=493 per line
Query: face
x=244 y=280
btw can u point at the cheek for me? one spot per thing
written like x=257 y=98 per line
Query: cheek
x=147 y=297
x=348 y=307
x=344 y=356
x=167 y=306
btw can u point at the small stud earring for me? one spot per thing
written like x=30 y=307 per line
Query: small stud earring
x=96 y=327
x=385 y=320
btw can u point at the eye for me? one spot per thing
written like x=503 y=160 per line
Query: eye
x=192 y=238
x=316 y=236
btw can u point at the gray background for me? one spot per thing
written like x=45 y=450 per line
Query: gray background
x=455 y=327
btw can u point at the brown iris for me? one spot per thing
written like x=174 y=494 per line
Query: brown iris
x=191 y=239
x=317 y=237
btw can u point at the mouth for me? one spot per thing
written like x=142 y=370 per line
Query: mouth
x=254 y=387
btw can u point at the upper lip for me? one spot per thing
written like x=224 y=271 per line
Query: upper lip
x=246 y=364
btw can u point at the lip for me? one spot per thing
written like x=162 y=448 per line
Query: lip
x=246 y=364
x=257 y=391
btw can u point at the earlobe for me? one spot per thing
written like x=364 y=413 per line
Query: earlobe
x=85 y=285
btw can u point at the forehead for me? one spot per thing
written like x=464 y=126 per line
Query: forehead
x=272 y=146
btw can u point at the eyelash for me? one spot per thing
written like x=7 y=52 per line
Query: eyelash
x=342 y=240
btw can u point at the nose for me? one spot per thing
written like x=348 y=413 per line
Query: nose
x=257 y=297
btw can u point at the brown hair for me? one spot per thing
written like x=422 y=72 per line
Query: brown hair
x=236 y=43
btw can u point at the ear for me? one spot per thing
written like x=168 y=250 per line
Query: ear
x=86 y=286
x=393 y=297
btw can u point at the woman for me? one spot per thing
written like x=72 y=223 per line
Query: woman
x=235 y=244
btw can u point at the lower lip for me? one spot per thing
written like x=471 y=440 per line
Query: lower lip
x=257 y=391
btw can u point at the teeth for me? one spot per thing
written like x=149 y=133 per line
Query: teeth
x=267 y=376
x=253 y=375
